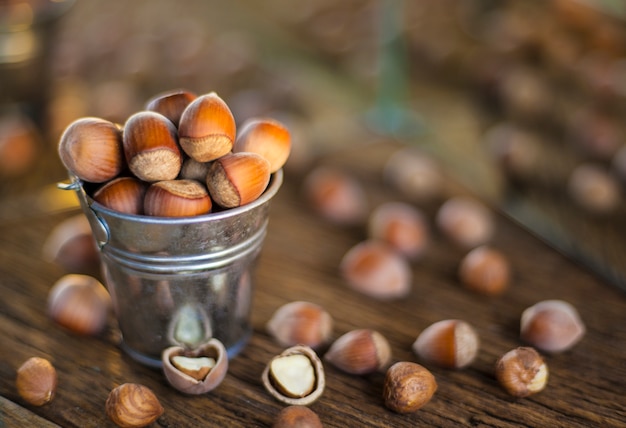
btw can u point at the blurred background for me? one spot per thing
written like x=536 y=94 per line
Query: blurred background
x=521 y=101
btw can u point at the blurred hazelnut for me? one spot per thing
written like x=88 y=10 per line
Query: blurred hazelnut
x=36 y=381
x=72 y=246
x=19 y=140
x=416 y=175
x=301 y=322
x=485 y=270
x=552 y=326
x=465 y=221
x=297 y=417
x=594 y=189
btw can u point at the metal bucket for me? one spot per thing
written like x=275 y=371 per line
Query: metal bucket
x=180 y=281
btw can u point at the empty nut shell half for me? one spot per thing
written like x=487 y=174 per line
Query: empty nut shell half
x=197 y=371
x=295 y=377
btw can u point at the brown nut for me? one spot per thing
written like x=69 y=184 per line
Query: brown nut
x=91 y=149
x=359 y=352
x=414 y=174
x=594 y=189
x=522 y=372
x=295 y=377
x=449 y=343
x=297 y=417
x=122 y=194
x=485 y=270
x=72 y=246
x=374 y=269
x=465 y=221
x=151 y=147
x=196 y=371
x=301 y=323
x=266 y=137
x=36 y=381
x=408 y=387
x=171 y=104
x=237 y=179
x=402 y=226
x=133 y=405
x=207 y=128
x=19 y=144
x=79 y=303
x=552 y=326
x=177 y=198
x=194 y=170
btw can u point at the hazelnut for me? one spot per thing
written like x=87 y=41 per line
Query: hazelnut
x=237 y=179
x=266 y=137
x=402 y=226
x=485 y=270
x=297 y=417
x=194 y=170
x=302 y=323
x=91 y=148
x=376 y=270
x=171 y=104
x=465 y=221
x=196 y=371
x=122 y=194
x=295 y=377
x=414 y=174
x=522 y=372
x=19 y=144
x=552 y=326
x=79 y=303
x=133 y=405
x=359 y=352
x=151 y=147
x=36 y=381
x=72 y=246
x=177 y=198
x=594 y=189
x=335 y=195
x=408 y=386
x=449 y=343
x=207 y=128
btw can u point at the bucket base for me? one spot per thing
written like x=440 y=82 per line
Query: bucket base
x=156 y=363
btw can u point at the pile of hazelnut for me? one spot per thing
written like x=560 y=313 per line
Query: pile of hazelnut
x=181 y=156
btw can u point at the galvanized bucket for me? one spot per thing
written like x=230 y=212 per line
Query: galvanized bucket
x=180 y=281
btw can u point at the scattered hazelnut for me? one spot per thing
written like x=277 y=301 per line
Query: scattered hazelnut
x=36 y=381
x=19 y=144
x=375 y=269
x=408 y=386
x=295 y=377
x=133 y=405
x=151 y=147
x=515 y=150
x=335 y=195
x=176 y=198
x=359 y=352
x=465 y=221
x=122 y=194
x=402 y=226
x=414 y=174
x=522 y=372
x=171 y=104
x=448 y=343
x=237 y=179
x=91 y=148
x=207 y=128
x=72 y=246
x=266 y=137
x=198 y=371
x=79 y=303
x=552 y=326
x=594 y=189
x=297 y=417
x=302 y=323
x=485 y=270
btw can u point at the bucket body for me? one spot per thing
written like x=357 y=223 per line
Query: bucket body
x=180 y=281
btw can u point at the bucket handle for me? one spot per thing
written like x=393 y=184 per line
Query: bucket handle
x=99 y=227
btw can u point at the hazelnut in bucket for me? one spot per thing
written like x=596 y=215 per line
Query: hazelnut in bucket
x=177 y=251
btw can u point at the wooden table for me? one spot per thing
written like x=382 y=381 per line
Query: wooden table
x=299 y=261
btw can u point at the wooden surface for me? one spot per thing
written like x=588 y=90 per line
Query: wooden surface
x=299 y=261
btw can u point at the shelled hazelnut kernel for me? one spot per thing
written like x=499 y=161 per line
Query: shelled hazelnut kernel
x=79 y=303
x=552 y=326
x=335 y=195
x=177 y=198
x=133 y=405
x=402 y=226
x=448 y=343
x=266 y=137
x=376 y=270
x=359 y=352
x=91 y=148
x=465 y=221
x=295 y=376
x=171 y=104
x=36 y=381
x=414 y=174
x=297 y=417
x=522 y=372
x=302 y=323
x=408 y=387
x=122 y=194
x=485 y=270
